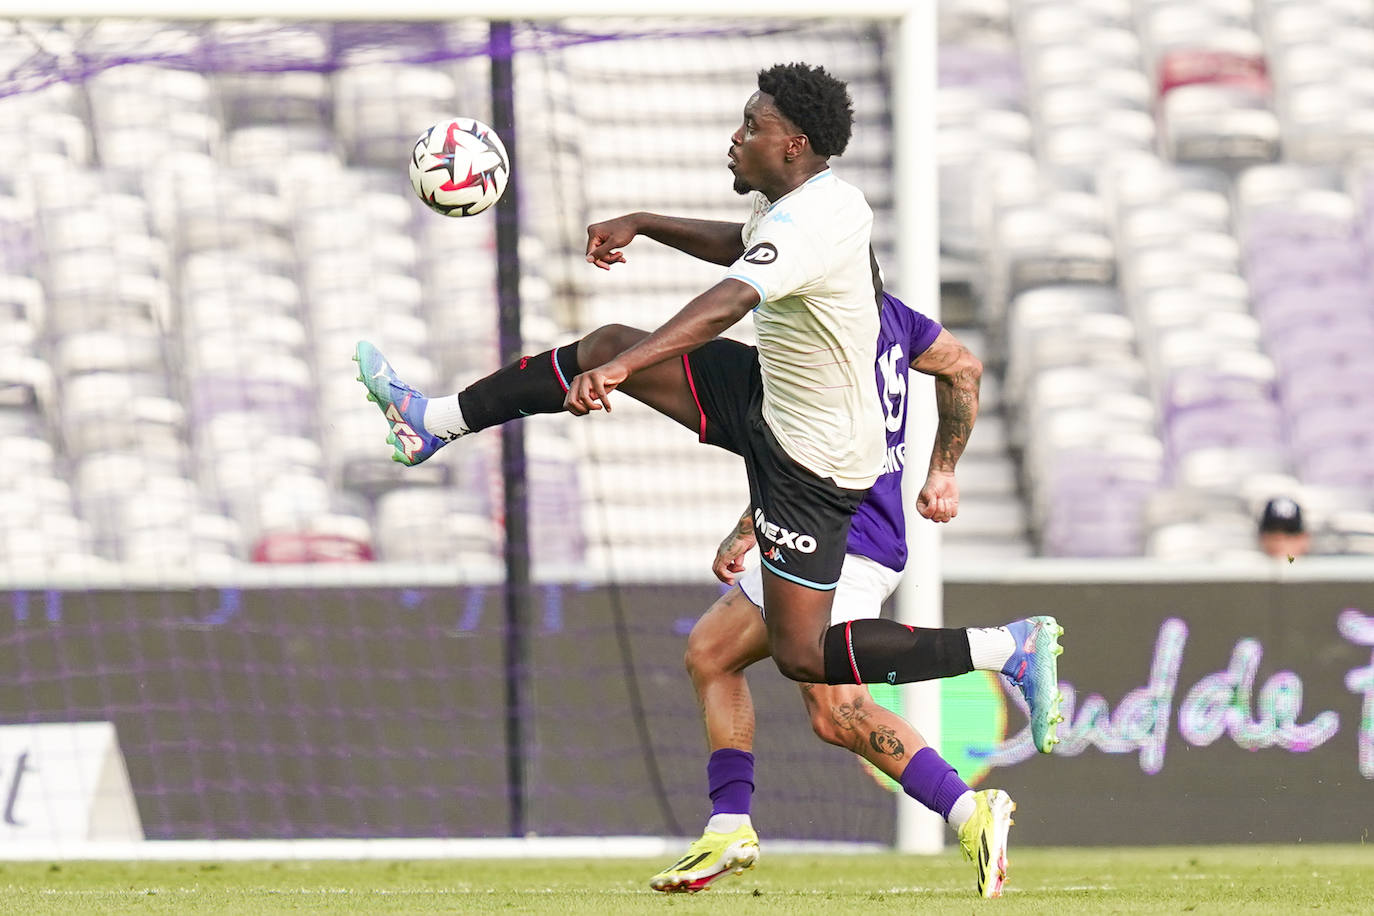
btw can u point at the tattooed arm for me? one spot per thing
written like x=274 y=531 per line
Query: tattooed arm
x=957 y=375
x=730 y=554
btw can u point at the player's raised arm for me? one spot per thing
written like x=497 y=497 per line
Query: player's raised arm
x=710 y=240
x=701 y=320
x=958 y=374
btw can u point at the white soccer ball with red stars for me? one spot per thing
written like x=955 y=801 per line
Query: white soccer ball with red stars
x=459 y=167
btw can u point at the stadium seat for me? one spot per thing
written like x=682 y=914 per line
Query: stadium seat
x=1219 y=540
x=1218 y=127
x=1095 y=257
x=381 y=108
x=428 y=525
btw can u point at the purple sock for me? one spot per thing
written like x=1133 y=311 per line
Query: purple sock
x=730 y=775
x=932 y=781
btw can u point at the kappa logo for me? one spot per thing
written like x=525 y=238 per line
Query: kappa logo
x=762 y=253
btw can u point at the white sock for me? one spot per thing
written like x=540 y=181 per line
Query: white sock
x=726 y=823
x=444 y=418
x=990 y=647
x=963 y=809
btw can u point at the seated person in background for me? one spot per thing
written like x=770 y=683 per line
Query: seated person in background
x=1281 y=530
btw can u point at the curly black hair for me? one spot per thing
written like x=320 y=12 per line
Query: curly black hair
x=815 y=101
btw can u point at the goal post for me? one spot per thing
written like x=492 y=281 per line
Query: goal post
x=919 y=600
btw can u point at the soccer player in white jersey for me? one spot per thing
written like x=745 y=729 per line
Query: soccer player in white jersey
x=731 y=636
x=801 y=409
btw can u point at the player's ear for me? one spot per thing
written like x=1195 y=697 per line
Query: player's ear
x=797 y=145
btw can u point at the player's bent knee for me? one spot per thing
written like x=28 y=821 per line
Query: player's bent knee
x=708 y=655
x=691 y=661
x=795 y=665
x=702 y=657
x=606 y=343
x=833 y=710
x=824 y=727
x=828 y=733
x=823 y=724
x=701 y=663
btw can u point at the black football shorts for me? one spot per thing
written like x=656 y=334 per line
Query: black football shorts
x=801 y=520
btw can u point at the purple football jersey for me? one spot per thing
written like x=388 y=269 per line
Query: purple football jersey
x=878 y=530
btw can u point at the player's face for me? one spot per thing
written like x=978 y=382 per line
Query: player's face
x=758 y=147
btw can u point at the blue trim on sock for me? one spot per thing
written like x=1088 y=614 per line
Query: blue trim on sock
x=558 y=370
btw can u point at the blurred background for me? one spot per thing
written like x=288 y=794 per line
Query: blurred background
x=1153 y=225
x=1156 y=228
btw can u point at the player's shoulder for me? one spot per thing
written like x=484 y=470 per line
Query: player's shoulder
x=901 y=321
x=850 y=195
x=831 y=194
x=830 y=185
x=897 y=310
x=826 y=211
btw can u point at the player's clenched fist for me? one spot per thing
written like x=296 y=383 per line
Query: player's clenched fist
x=589 y=390
x=604 y=240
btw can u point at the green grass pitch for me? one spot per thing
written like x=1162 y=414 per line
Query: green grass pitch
x=1060 y=882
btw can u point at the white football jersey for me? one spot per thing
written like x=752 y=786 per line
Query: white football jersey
x=807 y=255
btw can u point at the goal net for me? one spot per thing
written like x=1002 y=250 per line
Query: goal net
x=204 y=542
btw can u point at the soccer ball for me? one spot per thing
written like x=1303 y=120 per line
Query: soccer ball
x=459 y=167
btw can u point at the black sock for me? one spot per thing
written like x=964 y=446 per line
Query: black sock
x=887 y=652
x=530 y=385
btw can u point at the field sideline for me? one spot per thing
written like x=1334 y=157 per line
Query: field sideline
x=1231 y=879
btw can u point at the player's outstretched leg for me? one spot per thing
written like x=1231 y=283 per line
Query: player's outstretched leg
x=713 y=856
x=420 y=426
x=402 y=405
x=1034 y=669
x=984 y=839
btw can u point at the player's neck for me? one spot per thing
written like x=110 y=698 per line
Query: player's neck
x=793 y=179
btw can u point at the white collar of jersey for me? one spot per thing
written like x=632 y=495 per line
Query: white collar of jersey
x=812 y=180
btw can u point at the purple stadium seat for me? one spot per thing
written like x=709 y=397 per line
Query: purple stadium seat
x=1302 y=352
x=291 y=407
x=1349 y=464
x=1287 y=262
x=1349 y=387
x=1323 y=316
x=994 y=73
x=1353 y=293
x=1285 y=219
x=1237 y=424
x=1333 y=426
x=1194 y=385
x=1096 y=539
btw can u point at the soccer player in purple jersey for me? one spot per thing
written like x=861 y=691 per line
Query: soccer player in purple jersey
x=731 y=636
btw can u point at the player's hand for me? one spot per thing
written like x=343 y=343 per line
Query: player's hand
x=729 y=561
x=605 y=239
x=939 y=498
x=589 y=390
